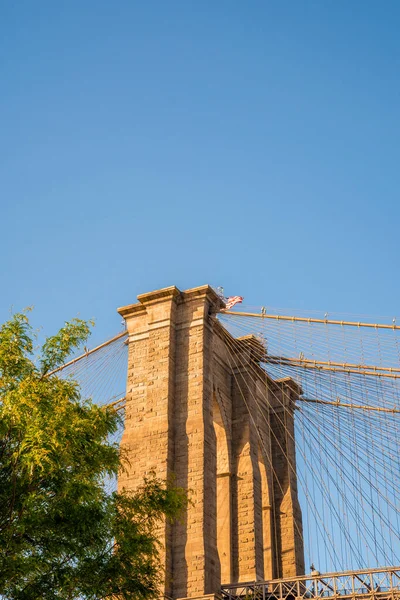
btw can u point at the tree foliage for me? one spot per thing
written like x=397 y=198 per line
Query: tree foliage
x=62 y=535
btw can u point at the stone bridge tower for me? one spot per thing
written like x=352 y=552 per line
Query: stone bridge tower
x=199 y=406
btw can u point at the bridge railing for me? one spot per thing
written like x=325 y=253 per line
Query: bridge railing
x=353 y=585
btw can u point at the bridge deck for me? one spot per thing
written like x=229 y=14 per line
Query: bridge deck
x=376 y=584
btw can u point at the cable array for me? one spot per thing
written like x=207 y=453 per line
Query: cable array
x=101 y=374
x=346 y=432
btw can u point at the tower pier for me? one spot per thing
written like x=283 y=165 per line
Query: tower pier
x=200 y=406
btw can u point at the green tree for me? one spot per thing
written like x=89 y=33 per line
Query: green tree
x=62 y=535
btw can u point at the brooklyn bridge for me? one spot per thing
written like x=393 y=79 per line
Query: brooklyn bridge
x=283 y=426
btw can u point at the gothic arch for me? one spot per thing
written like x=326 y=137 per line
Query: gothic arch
x=267 y=517
x=245 y=507
x=223 y=494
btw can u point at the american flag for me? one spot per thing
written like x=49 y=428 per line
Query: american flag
x=232 y=300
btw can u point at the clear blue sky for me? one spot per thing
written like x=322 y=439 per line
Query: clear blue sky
x=253 y=145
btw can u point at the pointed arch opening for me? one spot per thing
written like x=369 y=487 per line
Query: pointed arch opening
x=223 y=494
x=267 y=518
